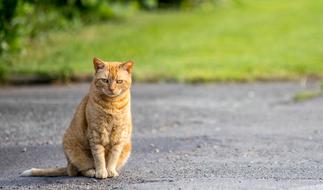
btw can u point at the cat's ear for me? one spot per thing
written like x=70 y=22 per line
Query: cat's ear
x=127 y=66
x=98 y=64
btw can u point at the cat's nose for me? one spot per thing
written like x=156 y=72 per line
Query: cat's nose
x=112 y=87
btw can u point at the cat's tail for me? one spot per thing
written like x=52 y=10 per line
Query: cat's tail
x=45 y=172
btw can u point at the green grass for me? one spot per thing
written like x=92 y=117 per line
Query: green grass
x=307 y=95
x=252 y=40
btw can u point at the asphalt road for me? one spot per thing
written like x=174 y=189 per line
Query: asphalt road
x=233 y=136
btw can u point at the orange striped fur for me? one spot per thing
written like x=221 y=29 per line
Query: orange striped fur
x=98 y=141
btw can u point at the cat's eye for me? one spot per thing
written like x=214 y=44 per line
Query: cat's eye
x=105 y=80
x=119 y=81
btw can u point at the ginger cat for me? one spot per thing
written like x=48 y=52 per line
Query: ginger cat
x=98 y=141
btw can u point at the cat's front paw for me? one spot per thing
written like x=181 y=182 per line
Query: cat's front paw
x=112 y=173
x=101 y=173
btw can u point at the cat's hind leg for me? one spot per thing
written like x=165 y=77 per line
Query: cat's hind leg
x=125 y=153
x=88 y=173
x=71 y=169
x=80 y=159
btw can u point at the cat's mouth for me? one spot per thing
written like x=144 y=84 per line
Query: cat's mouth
x=110 y=93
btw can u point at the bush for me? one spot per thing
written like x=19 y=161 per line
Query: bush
x=29 y=18
x=174 y=4
x=8 y=26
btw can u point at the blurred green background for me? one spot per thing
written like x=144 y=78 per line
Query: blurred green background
x=180 y=41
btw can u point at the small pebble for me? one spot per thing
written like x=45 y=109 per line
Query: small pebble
x=49 y=142
x=156 y=150
x=24 y=150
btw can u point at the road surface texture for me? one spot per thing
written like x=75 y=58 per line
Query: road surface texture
x=225 y=136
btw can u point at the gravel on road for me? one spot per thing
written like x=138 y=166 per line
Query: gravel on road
x=211 y=136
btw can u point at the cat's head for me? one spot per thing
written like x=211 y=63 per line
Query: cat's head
x=112 y=78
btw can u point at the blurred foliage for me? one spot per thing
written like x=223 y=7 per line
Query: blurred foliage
x=28 y=18
x=307 y=95
x=24 y=20
x=226 y=42
x=8 y=26
x=173 y=4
